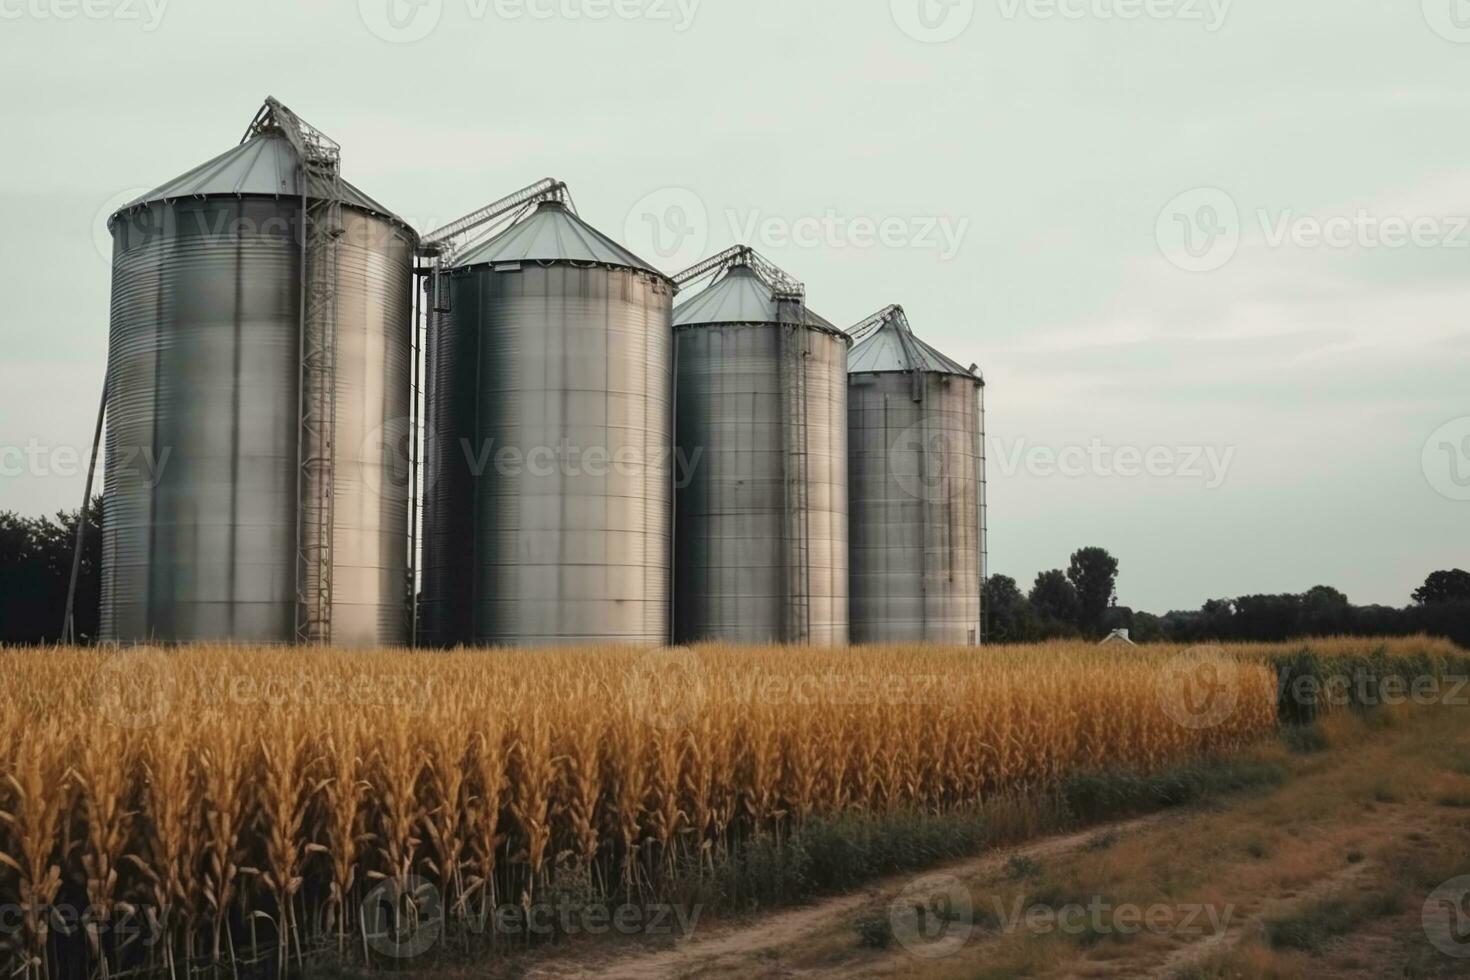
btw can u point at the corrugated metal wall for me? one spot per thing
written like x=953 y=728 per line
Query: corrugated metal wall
x=553 y=384
x=199 y=539
x=761 y=529
x=914 y=485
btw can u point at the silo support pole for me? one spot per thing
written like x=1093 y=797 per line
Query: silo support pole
x=416 y=440
x=69 y=623
x=984 y=535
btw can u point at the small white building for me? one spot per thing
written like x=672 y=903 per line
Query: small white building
x=1118 y=636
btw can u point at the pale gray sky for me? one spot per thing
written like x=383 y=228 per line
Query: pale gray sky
x=1028 y=168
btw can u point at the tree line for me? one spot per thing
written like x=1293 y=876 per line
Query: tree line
x=35 y=569
x=1081 y=602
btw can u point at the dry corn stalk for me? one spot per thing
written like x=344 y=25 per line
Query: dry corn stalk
x=526 y=759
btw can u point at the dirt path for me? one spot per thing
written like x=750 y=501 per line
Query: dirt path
x=751 y=949
x=734 y=949
x=1325 y=874
x=1188 y=957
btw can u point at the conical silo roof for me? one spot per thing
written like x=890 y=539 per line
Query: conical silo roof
x=893 y=347
x=740 y=296
x=552 y=233
x=264 y=166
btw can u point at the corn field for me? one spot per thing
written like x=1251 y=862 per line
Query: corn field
x=237 y=805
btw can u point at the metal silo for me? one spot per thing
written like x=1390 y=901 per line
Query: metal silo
x=258 y=403
x=917 y=485
x=548 y=509
x=760 y=540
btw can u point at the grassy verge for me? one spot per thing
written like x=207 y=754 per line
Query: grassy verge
x=836 y=855
x=1326 y=874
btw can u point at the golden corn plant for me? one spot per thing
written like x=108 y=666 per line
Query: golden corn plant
x=265 y=789
x=487 y=779
x=341 y=835
x=446 y=791
x=104 y=775
x=34 y=820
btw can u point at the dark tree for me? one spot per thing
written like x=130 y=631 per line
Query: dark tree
x=1325 y=612
x=1268 y=618
x=1147 y=628
x=1056 y=601
x=1010 y=616
x=22 y=587
x=1094 y=574
x=1452 y=586
x=1117 y=618
x=35 y=571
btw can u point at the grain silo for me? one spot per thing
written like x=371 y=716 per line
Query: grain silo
x=258 y=403
x=549 y=499
x=760 y=539
x=917 y=486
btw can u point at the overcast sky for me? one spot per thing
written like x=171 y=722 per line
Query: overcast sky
x=1212 y=257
